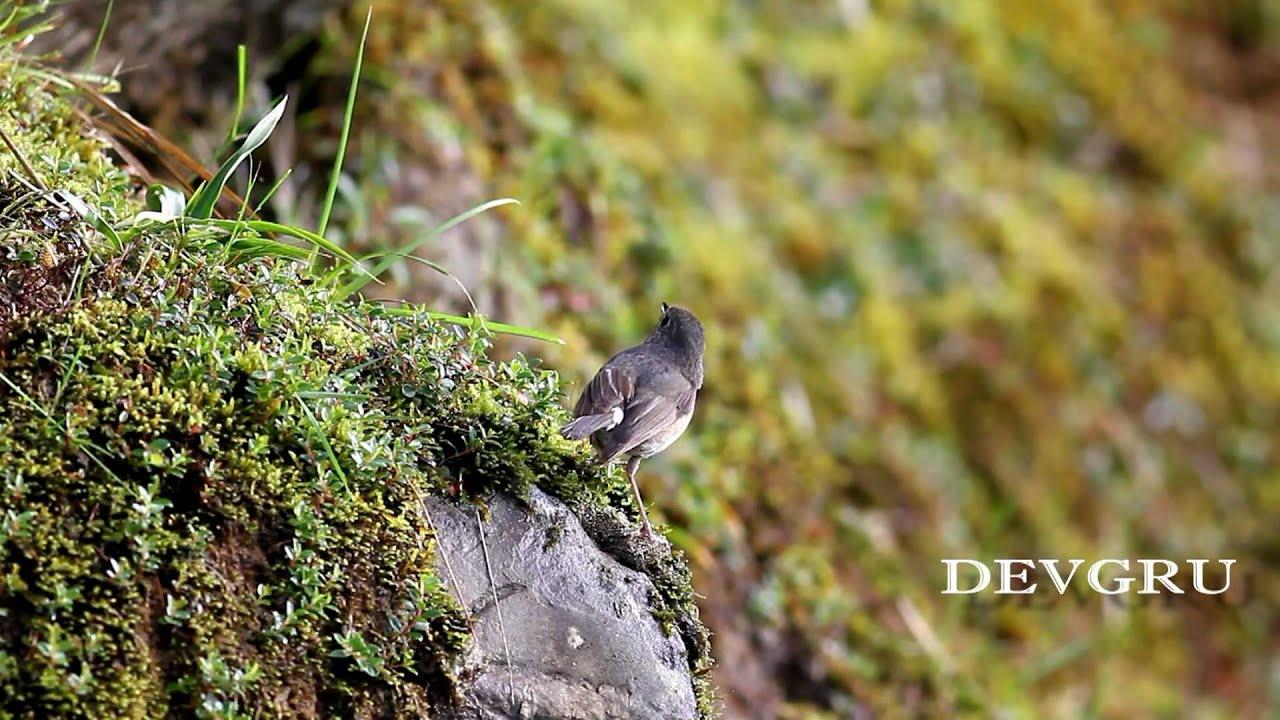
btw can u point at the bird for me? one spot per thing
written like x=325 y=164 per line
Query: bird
x=642 y=399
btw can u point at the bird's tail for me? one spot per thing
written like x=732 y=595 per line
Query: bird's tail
x=588 y=425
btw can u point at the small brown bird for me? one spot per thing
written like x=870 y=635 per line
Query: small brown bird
x=642 y=399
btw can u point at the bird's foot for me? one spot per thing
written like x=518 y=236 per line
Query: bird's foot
x=649 y=536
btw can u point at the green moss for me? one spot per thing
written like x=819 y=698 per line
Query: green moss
x=212 y=476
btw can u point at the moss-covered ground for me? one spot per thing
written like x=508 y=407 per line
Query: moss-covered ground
x=212 y=473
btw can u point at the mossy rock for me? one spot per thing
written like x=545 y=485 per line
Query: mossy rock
x=213 y=474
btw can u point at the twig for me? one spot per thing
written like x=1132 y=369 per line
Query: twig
x=22 y=160
x=448 y=566
x=924 y=634
x=502 y=628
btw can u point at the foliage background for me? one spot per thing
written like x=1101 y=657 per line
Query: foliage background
x=981 y=279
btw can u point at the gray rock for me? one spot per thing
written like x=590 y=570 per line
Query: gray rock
x=574 y=637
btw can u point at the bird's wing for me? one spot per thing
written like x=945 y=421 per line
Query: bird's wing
x=665 y=397
x=612 y=387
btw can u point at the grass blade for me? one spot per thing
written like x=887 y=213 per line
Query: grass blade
x=99 y=223
x=22 y=160
x=257 y=210
x=204 y=200
x=121 y=125
x=358 y=283
x=242 y=70
x=346 y=130
x=324 y=440
x=434 y=266
x=475 y=323
x=327 y=395
x=102 y=32
x=290 y=230
x=266 y=247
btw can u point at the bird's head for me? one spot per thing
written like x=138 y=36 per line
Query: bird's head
x=680 y=330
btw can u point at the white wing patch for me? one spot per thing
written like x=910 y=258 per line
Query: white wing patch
x=611 y=384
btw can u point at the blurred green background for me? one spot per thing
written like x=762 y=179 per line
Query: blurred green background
x=980 y=279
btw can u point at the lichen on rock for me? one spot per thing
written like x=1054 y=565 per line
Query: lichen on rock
x=214 y=475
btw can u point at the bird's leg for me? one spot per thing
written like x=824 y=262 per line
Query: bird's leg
x=632 y=466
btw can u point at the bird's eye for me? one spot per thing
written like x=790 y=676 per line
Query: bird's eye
x=666 y=321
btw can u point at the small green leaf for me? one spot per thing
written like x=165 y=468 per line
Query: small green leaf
x=83 y=210
x=165 y=201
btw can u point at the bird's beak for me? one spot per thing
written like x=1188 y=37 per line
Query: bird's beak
x=665 y=308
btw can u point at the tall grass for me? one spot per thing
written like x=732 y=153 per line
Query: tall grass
x=347 y=115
